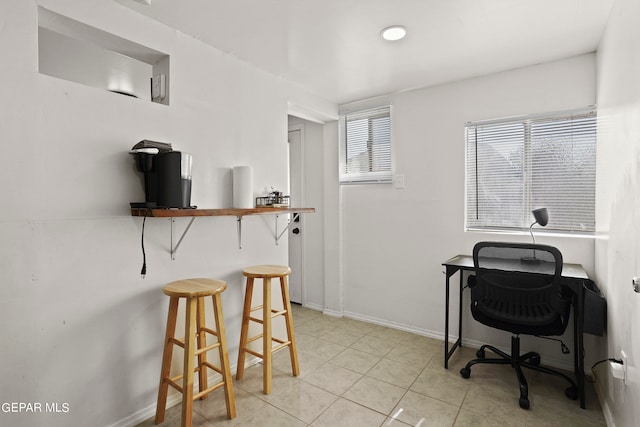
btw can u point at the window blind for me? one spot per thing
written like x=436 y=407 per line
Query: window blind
x=516 y=165
x=365 y=146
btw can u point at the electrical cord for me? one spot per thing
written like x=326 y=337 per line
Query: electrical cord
x=611 y=359
x=143 y=271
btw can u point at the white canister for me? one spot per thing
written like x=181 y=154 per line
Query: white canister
x=242 y=187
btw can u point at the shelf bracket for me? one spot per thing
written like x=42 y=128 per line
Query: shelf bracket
x=239 y=227
x=175 y=249
x=278 y=236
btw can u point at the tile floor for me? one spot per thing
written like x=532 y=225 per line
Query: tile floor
x=358 y=374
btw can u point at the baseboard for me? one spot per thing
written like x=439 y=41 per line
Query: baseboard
x=604 y=404
x=146 y=413
x=326 y=311
x=332 y=313
x=315 y=307
x=394 y=325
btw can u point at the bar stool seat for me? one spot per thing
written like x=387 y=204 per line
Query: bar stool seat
x=266 y=273
x=194 y=343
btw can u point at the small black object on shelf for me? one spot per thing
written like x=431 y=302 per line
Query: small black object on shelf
x=274 y=199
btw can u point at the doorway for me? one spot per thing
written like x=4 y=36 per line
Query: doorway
x=307 y=236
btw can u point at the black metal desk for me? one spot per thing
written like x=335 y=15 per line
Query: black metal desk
x=572 y=275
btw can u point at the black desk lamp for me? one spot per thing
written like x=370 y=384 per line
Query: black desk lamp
x=542 y=218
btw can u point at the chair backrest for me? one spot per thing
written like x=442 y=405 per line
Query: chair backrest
x=518 y=288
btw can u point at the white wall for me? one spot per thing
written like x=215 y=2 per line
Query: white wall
x=333 y=295
x=394 y=240
x=78 y=324
x=618 y=206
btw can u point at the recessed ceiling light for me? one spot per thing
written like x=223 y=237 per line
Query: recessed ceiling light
x=393 y=33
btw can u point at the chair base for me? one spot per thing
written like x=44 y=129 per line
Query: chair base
x=530 y=360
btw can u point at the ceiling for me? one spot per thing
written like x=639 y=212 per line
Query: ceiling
x=333 y=47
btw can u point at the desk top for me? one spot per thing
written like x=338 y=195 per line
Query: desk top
x=465 y=262
x=166 y=213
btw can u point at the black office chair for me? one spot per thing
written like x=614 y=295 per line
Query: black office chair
x=517 y=289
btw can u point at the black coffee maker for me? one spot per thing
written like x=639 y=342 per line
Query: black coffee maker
x=167 y=177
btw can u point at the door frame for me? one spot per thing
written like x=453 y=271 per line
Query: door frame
x=302 y=181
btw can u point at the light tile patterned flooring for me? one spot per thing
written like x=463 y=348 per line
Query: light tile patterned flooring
x=358 y=374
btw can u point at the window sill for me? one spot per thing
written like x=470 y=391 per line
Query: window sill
x=536 y=231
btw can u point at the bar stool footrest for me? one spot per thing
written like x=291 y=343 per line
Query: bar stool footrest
x=208 y=390
x=255 y=319
x=210 y=331
x=260 y=355
x=281 y=346
x=172 y=382
x=254 y=338
x=213 y=367
x=207 y=348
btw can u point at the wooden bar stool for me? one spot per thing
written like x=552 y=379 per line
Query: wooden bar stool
x=266 y=273
x=194 y=344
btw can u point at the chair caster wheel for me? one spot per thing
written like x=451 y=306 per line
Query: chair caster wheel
x=480 y=354
x=535 y=360
x=465 y=372
x=571 y=393
x=524 y=403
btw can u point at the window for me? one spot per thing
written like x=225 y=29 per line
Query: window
x=516 y=165
x=365 y=146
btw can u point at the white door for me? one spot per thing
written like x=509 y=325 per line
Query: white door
x=295 y=225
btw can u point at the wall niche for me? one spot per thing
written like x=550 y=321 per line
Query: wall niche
x=71 y=50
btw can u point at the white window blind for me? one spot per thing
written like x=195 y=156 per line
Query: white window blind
x=516 y=165
x=365 y=146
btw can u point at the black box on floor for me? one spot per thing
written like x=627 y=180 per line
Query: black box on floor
x=595 y=309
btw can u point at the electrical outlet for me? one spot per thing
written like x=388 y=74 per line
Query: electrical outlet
x=624 y=358
x=617 y=370
x=399 y=181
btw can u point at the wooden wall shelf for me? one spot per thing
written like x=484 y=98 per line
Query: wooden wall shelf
x=238 y=213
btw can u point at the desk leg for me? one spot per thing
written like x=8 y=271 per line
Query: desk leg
x=446 y=322
x=579 y=312
x=450 y=271
x=460 y=311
